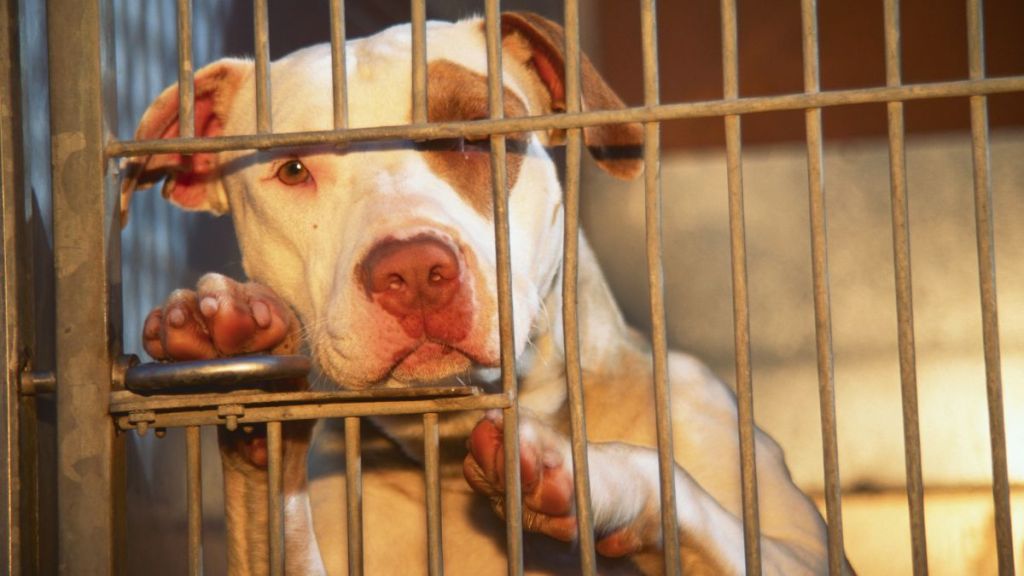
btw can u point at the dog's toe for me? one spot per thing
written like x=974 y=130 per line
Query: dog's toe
x=546 y=479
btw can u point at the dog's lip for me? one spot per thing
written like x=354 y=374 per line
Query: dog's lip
x=446 y=349
x=385 y=372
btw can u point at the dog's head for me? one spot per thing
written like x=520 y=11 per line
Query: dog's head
x=387 y=250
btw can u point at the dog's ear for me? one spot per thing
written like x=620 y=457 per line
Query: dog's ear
x=192 y=180
x=539 y=43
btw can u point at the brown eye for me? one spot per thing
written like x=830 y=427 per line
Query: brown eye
x=293 y=173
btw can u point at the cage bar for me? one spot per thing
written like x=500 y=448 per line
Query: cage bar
x=261 y=33
x=419 y=61
x=339 y=79
x=822 y=297
x=656 y=293
x=194 y=490
x=506 y=332
x=904 y=291
x=186 y=88
x=659 y=113
x=275 y=498
x=18 y=493
x=570 y=314
x=741 y=303
x=432 y=477
x=86 y=235
x=987 y=280
x=354 y=495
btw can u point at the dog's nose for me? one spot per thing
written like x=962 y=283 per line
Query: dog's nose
x=409 y=276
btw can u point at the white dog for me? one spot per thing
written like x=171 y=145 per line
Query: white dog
x=385 y=253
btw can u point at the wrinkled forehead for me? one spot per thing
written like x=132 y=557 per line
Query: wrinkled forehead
x=379 y=76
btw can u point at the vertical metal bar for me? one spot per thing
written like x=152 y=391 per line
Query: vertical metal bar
x=822 y=298
x=740 y=300
x=419 y=61
x=987 y=279
x=275 y=498
x=655 y=271
x=354 y=496
x=186 y=89
x=904 y=291
x=13 y=300
x=90 y=474
x=570 y=315
x=338 y=74
x=194 y=473
x=432 y=481
x=262 y=49
x=513 y=490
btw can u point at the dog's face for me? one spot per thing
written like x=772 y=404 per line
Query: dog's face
x=387 y=250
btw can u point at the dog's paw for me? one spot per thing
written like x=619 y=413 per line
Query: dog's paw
x=545 y=472
x=546 y=476
x=220 y=318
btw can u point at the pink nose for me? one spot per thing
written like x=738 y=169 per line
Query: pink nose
x=406 y=277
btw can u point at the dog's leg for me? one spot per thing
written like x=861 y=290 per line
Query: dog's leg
x=225 y=318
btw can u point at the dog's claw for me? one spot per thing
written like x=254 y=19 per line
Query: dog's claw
x=209 y=306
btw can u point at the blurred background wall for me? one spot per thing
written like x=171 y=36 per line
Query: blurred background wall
x=165 y=249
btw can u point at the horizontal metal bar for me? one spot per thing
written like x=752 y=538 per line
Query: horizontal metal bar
x=125 y=401
x=32 y=383
x=303 y=409
x=220 y=372
x=662 y=112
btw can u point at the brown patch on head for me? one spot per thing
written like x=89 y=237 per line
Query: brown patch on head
x=537 y=44
x=456 y=93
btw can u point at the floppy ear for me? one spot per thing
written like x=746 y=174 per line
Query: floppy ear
x=192 y=181
x=539 y=44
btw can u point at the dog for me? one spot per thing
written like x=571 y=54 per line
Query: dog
x=379 y=261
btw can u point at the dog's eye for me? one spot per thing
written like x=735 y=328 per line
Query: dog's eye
x=293 y=172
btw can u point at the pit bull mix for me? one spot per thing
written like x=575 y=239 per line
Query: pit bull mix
x=379 y=261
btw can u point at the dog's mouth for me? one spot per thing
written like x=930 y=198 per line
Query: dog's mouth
x=429 y=361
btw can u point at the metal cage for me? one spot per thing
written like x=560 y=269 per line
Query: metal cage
x=96 y=387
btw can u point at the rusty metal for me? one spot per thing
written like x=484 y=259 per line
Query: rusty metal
x=740 y=299
x=338 y=64
x=822 y=296
x=275 y=498
x=354 y=496
x=432 y=484
x=656 y=294
x=261 y=32
x=194 y=491
x=32 y=383
x=659 y=113
x=194 y=410
x=570 y=314
x=987 y=281
x=904 y=292
x=90 y=474
x=509 y=384
x=186 y=88
x=16 y=530
x=419 y=61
